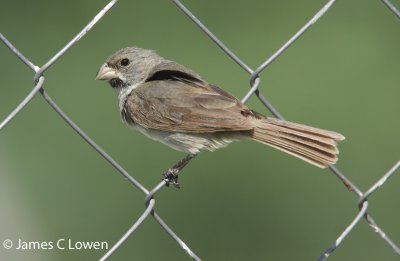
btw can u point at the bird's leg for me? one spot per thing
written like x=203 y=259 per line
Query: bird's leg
x=171 y=175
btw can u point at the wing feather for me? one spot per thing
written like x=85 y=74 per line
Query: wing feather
x=186 y=106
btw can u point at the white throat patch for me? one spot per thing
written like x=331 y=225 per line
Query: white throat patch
x=123 y=94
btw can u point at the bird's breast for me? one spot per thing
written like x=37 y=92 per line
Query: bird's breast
x=185 y=142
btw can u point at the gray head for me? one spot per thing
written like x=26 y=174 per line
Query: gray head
x=128 y=67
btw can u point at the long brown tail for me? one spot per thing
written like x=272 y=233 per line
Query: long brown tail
x=313 y=145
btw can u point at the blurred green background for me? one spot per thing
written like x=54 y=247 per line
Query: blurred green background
x=244 y=202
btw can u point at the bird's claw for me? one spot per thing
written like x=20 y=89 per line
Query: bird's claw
x=171 y=178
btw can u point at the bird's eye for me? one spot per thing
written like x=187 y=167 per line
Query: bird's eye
x=124 y=62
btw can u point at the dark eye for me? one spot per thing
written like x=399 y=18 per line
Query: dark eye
x=124 y=62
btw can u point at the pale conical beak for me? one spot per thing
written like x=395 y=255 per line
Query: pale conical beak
x=107 y=73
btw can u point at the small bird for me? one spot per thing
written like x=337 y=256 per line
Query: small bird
x=172 y=104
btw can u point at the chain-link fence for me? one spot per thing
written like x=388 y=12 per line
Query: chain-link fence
x=39 y=81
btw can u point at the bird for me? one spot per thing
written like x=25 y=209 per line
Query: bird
x=170 y=103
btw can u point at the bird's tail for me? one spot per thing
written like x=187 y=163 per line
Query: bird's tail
x=313 y=145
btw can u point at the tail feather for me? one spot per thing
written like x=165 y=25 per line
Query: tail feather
x=313 y=145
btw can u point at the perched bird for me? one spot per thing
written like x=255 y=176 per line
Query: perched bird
x=172 y=104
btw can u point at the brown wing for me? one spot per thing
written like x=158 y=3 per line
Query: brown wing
x=186 y=105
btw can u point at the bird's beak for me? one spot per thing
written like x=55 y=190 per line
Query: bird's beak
x=107 y=73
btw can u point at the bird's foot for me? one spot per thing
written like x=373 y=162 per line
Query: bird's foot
x=171 y=177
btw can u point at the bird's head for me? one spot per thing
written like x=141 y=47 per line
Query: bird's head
x=128 y=67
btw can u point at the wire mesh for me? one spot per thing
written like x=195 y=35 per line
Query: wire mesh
x=254 y=80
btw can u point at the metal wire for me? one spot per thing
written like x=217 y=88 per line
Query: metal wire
x=130 y=231
x=254 y=81
x=392 y=7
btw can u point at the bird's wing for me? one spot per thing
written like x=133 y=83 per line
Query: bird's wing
x=174 y=101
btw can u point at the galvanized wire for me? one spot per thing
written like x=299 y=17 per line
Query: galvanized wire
x=254 y=81
x=392 y=8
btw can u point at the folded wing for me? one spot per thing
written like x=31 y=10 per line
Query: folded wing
x=174 y=101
